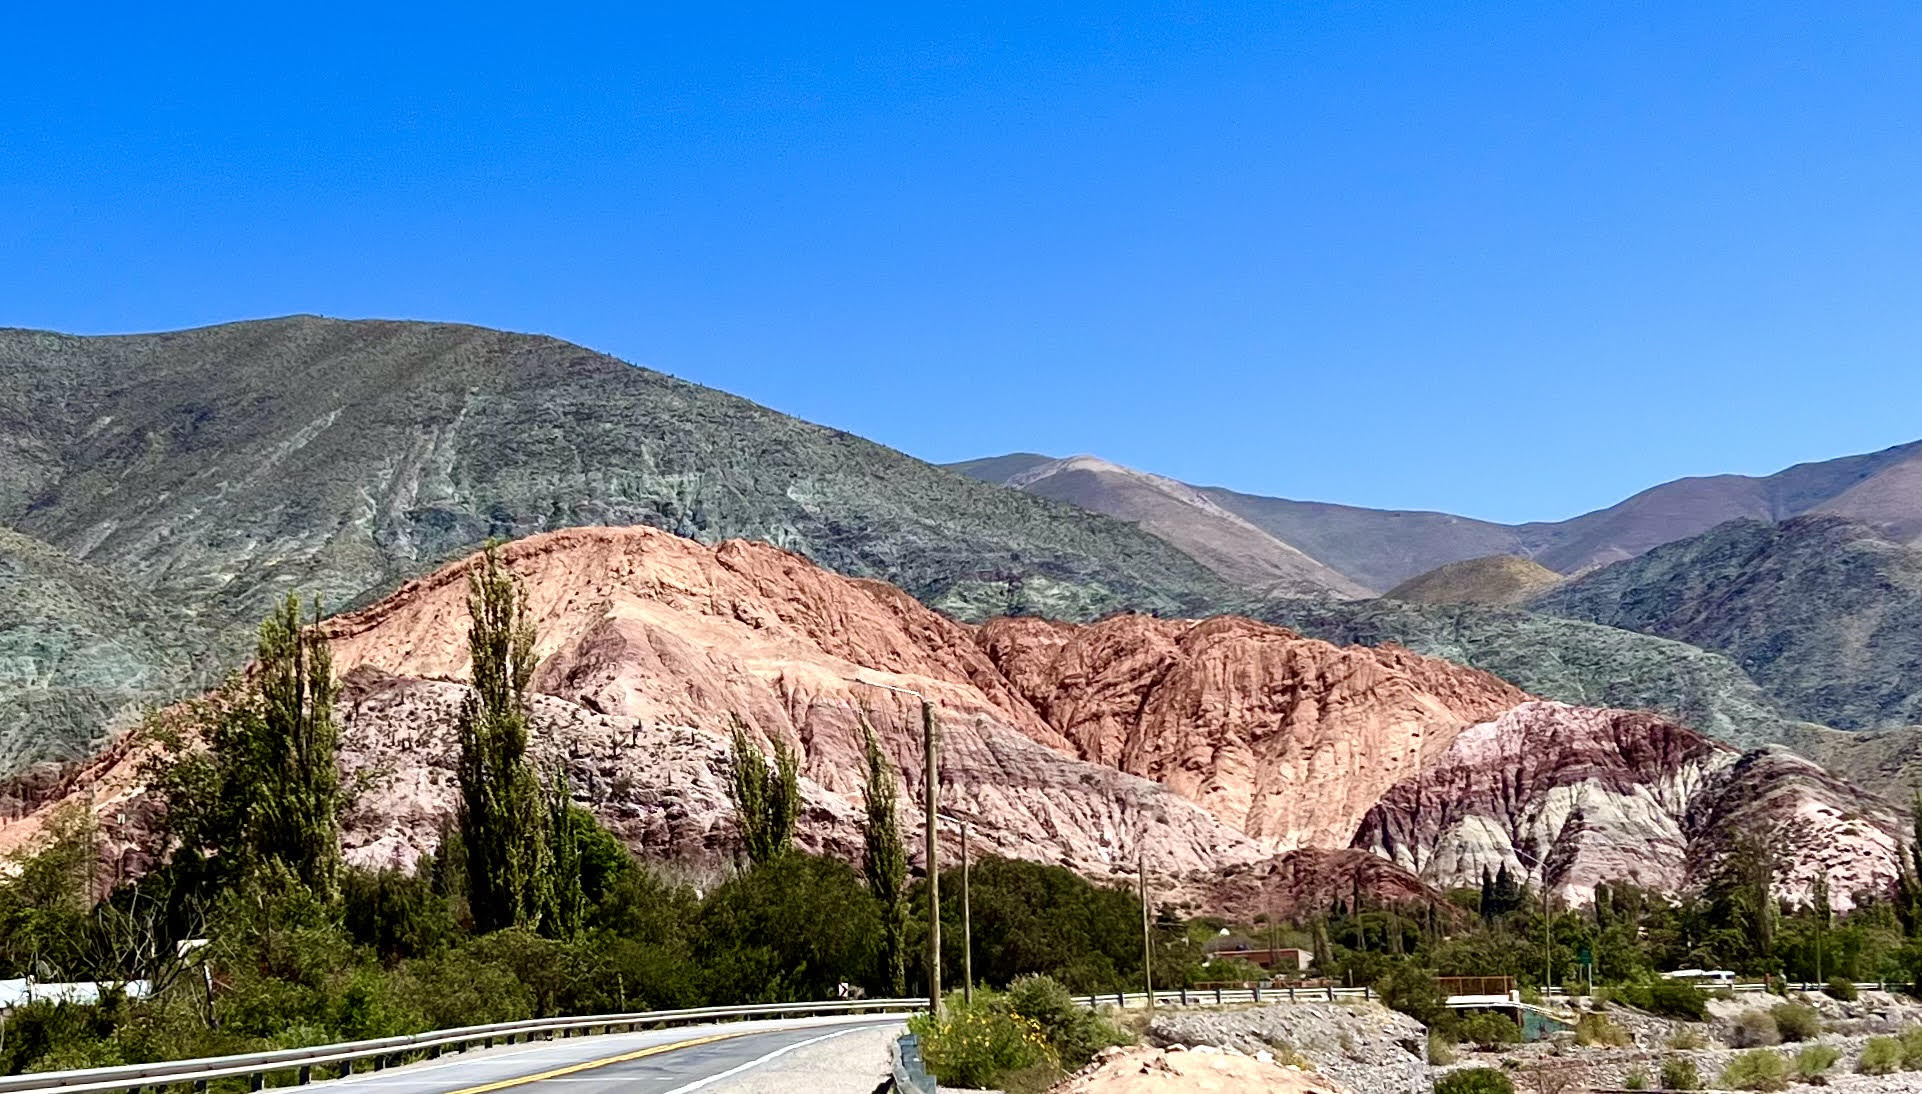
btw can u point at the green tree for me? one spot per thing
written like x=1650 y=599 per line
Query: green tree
x=767 y=799
x=292 y=745
x=567 y=827
x=886 y=861
x=503 y=820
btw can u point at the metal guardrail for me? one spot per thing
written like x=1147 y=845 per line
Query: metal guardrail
x=387 y=1051
x=1190 y=997
x=910 y=1070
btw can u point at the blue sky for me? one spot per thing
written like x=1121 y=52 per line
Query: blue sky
x=1514 y=261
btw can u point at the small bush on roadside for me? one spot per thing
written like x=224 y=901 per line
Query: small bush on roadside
x=1880 y=1056
x=1073 y=1031
x=1440 y=1052
x=1474 y=1080
x=1754 y=1028
x=1756 y=1069
x=1796 y=1021
x=1488 y=1030
x=1841 y=987
x=1678 y=1073
x=978 y=1046
x=1812 y=1064
x=1597 y=1029
x=1636 y=1079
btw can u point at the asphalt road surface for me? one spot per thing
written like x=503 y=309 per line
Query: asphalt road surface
x=712 y=1059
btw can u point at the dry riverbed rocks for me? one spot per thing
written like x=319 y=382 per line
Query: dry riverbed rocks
x=1361 y=1046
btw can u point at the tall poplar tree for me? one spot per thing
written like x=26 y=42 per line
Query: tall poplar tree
x=503 y=819
x=291 y=742
x=767 y=799
x=886 y=863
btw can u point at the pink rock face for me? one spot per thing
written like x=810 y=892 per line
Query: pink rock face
x=1206 y=748
x=1580 y=796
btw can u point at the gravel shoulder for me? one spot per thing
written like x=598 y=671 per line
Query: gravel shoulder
x=844 y=1063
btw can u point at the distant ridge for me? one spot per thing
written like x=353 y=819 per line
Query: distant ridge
x=1497 y=580
x=1378 y=549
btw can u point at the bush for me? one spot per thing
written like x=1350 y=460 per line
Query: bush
x=976 y=1046
x=1754 y=1028
x=1911 y=1042
x=1678 y=1073
x=1841 y=987
x=1880 y=1056
x=1757 y=1069
x=1411 y=989
x=1814 y=1061
x=1668 y=998
x=1488 y=1030
x=1685 y=1038
x=1796 y=1021
x=1074 y=1032
x=1636 y=1079
x=1596 y=1029
x=1474 y=1080
x=1440 y=1052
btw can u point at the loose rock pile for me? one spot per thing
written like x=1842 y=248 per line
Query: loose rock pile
x=1362 y=1046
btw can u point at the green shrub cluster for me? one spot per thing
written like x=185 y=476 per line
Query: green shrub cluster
x=1678 y=1073
x=1814 y=1062
x=1019 y=1040
x=1595 y=1028
x=1754 y=1028
x=1475 y=1080
x=1796 y=1021
x=1487 y=1030
x=1756 y=1069
x=1842 y=988
x=1880 y=1056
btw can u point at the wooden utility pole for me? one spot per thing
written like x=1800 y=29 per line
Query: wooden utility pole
x=967 y=929
x=933 y=794
x=1147 y=936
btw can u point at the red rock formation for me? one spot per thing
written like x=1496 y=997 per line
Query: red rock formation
x=1580 y=796
x=1210 y=745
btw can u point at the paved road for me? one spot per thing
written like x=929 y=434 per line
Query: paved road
x=664 y=1061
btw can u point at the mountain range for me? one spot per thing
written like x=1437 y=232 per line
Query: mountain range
x=1378 y=549
x=1218 y=663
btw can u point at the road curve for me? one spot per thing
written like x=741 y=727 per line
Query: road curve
x=680 y=1060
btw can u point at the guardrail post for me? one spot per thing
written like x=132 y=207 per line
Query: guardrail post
x=257 y=1081
x=1257 y=993
x=200 y=1086
x=1291 y=993
x=1217 y=997
x=1184 y=997
x=1331 y=993
x=306 y=1074
x=1366 y=992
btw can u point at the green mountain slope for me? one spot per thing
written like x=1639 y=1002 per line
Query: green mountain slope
x=1821 y=611
x=1497 y=580
x=80 y=653
x=1561 y=659
x=214 y=469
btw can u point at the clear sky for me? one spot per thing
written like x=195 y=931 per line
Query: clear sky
x=1509 y=260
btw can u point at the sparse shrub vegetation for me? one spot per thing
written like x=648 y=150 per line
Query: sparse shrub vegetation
x=1678 y=1073
x=1756 y=1069
x=1753 y=1029
x=1796 y=1021
x=1487 y=1030
x=1596 y=1029
x=1911 y=1041
x=1812 y=1064
x=1668 y=998
x=1475 y=1080
x=979 y=1046
x=1440 y=1052
x=1842 y=988
x=1636 y=1079
x=1685 y=1038
x=1880 y=1056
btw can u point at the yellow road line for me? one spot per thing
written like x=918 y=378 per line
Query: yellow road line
x=602 y=1062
